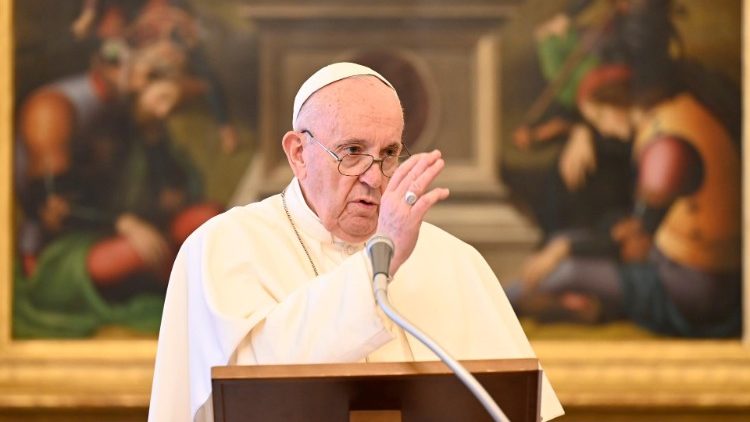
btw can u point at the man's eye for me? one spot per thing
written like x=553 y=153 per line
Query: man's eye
x=392 y=152
x=352 y=149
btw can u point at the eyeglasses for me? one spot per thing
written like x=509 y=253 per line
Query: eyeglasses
x=358 y=164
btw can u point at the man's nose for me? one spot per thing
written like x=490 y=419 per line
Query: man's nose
x=373 y=177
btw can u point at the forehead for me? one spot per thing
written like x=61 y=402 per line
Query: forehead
x=358 y=107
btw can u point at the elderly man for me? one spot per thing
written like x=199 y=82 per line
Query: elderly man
x=287 y=279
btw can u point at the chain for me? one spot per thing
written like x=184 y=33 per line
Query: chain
x=289 y=216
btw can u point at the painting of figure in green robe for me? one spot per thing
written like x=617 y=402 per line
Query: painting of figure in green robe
x=120 y=152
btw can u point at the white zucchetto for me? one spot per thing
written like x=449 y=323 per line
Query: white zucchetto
x=328 y=75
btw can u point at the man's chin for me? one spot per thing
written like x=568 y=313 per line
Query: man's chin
x=357 y=232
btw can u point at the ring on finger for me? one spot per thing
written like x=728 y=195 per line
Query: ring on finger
x=410 y=197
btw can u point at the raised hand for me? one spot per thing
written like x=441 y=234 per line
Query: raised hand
x=578 y=158
x=398 y=219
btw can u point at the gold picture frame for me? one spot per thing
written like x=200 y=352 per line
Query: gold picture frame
x=597 y=373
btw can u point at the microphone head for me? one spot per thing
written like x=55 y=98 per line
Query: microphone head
x=378 y=239
x=380 y=250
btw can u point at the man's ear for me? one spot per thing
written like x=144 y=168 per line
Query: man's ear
x=293 y=143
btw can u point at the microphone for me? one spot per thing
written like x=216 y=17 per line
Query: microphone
x=380 y=250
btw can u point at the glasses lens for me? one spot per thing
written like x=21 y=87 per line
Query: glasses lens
x=355 y=164
x=390 y=164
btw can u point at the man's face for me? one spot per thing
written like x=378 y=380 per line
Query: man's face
x=354 y=115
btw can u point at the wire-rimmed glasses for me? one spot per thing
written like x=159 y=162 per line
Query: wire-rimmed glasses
x=358 y=164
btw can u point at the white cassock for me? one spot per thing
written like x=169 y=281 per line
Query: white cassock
x=243 y=292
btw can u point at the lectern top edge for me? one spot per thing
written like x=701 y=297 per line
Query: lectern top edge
x=369 y=369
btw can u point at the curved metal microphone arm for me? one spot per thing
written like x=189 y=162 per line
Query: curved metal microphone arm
x=380 y=286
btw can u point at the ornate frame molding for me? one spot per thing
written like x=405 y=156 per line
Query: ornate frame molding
x=106 y=373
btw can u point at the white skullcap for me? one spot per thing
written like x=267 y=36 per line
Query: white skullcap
x=328 y=75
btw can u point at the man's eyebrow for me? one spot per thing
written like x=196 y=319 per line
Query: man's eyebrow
x=352 y=141
x=364 y=142
x=348 y=141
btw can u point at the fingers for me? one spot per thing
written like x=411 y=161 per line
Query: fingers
x=574 y=170
x=414 y=174
x=428 y=200
x=578 y=157
x=161 y=251
x=424 y=179
x=417 y=178
x=568 y=174
x=152 y=248
x=148 y=243
x=403 y=170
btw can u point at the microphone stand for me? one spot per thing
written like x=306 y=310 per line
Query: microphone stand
x=380 y=288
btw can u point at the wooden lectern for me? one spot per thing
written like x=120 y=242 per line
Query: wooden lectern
x=358 y=392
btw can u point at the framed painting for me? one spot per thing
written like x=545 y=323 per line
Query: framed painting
x=111 y=366
x=558 y=70
x=581 y=179
x=90 y=67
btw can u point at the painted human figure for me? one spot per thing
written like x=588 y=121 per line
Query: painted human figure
x=676 y=262
x=584 y=188
x=172 y=25
x=96 y=178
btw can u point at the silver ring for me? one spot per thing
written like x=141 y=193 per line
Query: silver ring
x=410 y=197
